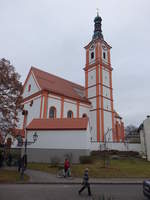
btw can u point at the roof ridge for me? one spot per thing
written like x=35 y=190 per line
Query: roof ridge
x=60 y=118
x=58 y=77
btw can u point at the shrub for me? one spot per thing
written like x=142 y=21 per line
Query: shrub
x=55 y=161
x=86 y=159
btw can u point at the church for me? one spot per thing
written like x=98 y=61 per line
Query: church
x=70 y=119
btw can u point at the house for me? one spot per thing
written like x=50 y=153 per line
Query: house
x=66 y=116
x=144 y=130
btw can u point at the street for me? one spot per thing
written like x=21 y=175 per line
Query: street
x=69 y=192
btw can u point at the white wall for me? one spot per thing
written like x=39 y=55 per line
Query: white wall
x=106 y=92
x=108 y=124
x=34 y=87
x=70 y=105
x=20 y=118
x=92 y=92
x=93 y=124
x=34 y=110
x=60 y=139
x=116 y=146
x=106 y=78
x=52 y=101
x=83 y=109
x=147 y=137
x=92 y=77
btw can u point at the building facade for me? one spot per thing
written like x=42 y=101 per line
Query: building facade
x=48 y=99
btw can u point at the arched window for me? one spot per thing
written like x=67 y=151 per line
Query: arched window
x=52 y=112
x=69 y=114
x=92 y=55
x=84 y=115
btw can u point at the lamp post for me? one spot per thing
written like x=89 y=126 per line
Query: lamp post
x=35 y=137
x=26 y=143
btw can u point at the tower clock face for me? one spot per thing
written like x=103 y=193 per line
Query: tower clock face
x=92 y=46
x=104 y=48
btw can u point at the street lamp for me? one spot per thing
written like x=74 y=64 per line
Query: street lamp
x=35 y=137
x=26 y=143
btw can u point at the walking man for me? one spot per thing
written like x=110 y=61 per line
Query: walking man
x=85 y=183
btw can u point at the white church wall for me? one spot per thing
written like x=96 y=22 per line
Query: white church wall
x=34 y=87
x=108 y=125
x=83 y=109
x=71 y=139
x=106 y=104
x=92 y=92
x=106 y=92
x=93 y=101
x=93 y=124
x=70 y=105
x=92 y=77
x=106 y=78
x=34 y=110
x=56 y=102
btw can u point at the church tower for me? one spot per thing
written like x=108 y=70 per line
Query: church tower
x=98 y=85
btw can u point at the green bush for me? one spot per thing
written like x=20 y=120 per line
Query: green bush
x=55 y=161
x=86 y=159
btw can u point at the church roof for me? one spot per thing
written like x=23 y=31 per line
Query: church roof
x=59 y=85
x=59 y=124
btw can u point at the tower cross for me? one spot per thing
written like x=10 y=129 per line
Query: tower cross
x=97 y=9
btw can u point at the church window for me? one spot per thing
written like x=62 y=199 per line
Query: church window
x=104 y=55
x=52 y=112
x=92 y=55
x=29 y=88
x=70 y=114
x=84 y=115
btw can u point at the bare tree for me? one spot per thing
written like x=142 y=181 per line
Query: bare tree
x=10 y=96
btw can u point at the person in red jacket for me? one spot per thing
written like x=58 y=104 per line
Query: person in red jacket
x=67 y=167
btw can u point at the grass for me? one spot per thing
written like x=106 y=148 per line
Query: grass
x=121 y=168
x=10 y=176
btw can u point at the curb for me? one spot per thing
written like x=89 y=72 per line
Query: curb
x=73 y=183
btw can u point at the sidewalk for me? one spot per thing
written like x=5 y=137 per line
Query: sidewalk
x=39 y=177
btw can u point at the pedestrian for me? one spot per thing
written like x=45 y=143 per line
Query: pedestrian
x=67 y=168
x=1 y=159
x=85 y=182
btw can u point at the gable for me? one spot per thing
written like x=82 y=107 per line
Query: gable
x=60 y=86
x=31 y=85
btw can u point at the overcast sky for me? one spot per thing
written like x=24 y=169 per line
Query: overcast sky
x=51 y=34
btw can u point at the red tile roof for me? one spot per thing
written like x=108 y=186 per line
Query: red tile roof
x=58 y=124
x=59 y=85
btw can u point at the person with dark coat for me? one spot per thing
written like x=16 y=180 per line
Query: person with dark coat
x=85 y=183
x=1 y=159
x=9 y=160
